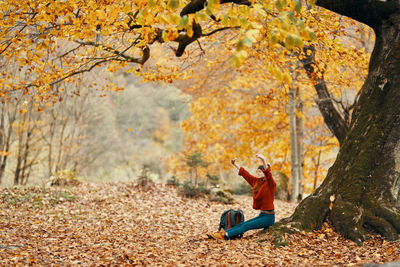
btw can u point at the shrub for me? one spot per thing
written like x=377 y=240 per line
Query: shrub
x=64 y=178
x=187 y=189
x=144 y=178
x=173 y=181
x=223 y=196
x=213 y=179
x=203 y=189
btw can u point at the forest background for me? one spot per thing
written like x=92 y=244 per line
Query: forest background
x=171 y=91
x=210 y=110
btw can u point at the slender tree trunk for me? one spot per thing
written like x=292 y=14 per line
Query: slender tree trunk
x=26 y=163
x=25 y=156
x=196 y=176
x=21 y=132
x=6 y=133
x=52 y=130
x=300 y=135
x=221 y=172
x=3 y=138
x=24 y=140
x=69 y=153
x=293 y=145
x=61 y=147
x=316 y=168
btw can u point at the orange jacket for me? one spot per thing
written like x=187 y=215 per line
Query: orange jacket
x=263 y=199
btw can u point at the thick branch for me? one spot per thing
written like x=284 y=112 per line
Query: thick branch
x=370 y=12
x=333 y=118
x=197 y=5
x=218 y=30
x=184 y=40
x=193 y=7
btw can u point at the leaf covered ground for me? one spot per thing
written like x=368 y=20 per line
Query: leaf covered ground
x=122 y=224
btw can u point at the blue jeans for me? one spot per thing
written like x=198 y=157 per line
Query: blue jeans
x=261 y=221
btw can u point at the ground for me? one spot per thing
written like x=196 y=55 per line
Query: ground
x=122 y=224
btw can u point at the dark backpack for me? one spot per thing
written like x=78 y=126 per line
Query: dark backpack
x=231 y=218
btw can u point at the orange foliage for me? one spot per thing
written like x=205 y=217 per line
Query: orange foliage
x=238 y=112
x=238 y=109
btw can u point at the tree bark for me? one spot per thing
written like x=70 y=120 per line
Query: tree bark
x=293 y=146
x=300 y=142
x=316 y=167
x=365 y=178
x=23 y=124
x=334 y=118
x=50 y=143
x=8 y=118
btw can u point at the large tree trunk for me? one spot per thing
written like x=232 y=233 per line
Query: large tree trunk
x=365 y=178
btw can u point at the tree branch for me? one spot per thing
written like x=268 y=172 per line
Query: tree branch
x=334 y=119
x=197 y=5
x=370 y=12
x=70 y=51
x=78 y=72
x=184 y=40
x=218 y=30
x=142 y=60
x=193 y=7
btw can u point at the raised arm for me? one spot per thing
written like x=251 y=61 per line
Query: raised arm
x=267 y=171
x=262 y=158
x=233 y=162
x=245 y=174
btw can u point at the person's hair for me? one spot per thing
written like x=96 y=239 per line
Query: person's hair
x=261 y=167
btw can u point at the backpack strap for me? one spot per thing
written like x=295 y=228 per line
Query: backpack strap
x=238 y=218
x=222 y=222
x=230 y=219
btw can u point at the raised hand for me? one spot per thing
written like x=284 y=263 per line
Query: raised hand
x=233 y=162
x=260 y=156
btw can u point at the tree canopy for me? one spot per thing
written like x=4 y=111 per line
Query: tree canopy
x=54 y=42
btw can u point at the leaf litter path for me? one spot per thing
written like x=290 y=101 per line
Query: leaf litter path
x=121 y=224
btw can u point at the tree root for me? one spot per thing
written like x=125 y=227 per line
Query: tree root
x=392 y=216
x=350 y=220
x=380 y=226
